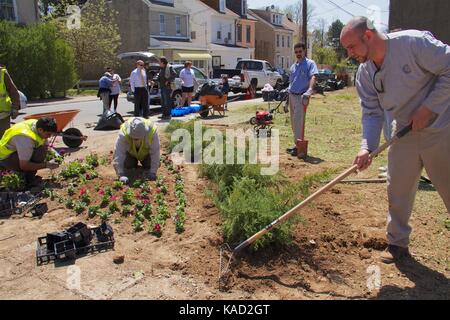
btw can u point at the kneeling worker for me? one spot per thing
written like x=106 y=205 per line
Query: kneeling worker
x=24 y=147
x=138 y=141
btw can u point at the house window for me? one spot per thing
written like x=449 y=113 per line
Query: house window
x=282 y=62
x=289 y=41
x=162 y=24
x=219 y=35
x=7 y=11
x=282 y=41
x=193 y=35
x=278 y=40
x=239 y=33
x=178 y=25
x=249 y=34
x=229 y=35
x=222 y=5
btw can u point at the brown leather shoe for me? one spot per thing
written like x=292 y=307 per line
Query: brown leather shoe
x=394 y=254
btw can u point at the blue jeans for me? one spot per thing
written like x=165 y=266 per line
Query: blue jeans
x=166 y=101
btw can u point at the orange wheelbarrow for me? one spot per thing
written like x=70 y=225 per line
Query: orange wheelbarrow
x=212 y=104
x=72 y=137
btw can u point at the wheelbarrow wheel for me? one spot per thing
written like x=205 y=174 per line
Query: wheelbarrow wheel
x=204 y=112
x=72 y=142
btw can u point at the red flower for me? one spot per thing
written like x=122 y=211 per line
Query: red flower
x=83 y=191
x=146 y=201
x=62 y=152
x=88 y=176
x=101 y=192
x=158 y=190
x=113 y=198
x=157 y=228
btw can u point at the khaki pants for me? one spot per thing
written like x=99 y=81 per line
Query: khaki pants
x=407 y=157
x=297 y=116
x=105 y=100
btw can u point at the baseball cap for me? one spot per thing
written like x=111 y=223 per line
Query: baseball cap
x=137 y=129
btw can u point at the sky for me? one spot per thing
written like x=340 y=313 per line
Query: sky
x=325 y=9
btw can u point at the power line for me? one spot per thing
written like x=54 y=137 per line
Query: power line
x=365 y=7
x=320 y=14
x=339 y=7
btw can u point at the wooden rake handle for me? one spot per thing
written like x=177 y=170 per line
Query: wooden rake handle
x=319 y=192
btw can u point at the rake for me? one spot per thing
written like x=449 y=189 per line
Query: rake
x=227 y=255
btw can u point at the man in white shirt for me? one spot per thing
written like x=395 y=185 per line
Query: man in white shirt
x=138 y=84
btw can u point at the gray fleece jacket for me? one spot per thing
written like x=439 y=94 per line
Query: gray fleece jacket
x=415 y=73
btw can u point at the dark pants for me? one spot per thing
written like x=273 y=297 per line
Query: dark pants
x=132 y=163
x=114 y=97
x=4 y=125
x=166 y=101
x=141 y=102
x=12 y=162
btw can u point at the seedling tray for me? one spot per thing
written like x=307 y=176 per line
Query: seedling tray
x=67 y=249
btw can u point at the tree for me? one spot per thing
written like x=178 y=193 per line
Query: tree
x=325 y=55
x=40 y=62
x=319 y=35
x=97 y=39
x=333 y=37
x=296 y=12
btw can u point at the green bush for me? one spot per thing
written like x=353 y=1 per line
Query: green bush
x=39 y=61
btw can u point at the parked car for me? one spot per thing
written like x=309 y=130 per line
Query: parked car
x=155 y=93
x=260 y=73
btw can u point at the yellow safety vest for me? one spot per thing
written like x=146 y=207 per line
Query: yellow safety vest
x=5 y=100
x=144 y=149
x=24 y=128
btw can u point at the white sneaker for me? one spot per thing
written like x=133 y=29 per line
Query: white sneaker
x=382 y=169
x=383 y=175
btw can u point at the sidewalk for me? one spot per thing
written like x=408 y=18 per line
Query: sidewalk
x=61 y=101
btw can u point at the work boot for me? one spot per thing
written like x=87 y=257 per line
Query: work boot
x=289 y=150
x=294 y=152
x=394 y=254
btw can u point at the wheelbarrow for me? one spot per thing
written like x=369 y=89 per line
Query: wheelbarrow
x=212 y=104
x=72 y=137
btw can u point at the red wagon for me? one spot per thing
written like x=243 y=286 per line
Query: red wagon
x=72 y=137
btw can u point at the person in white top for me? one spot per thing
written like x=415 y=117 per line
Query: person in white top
x=138 y=84
x=115 y=89
x=187 y=77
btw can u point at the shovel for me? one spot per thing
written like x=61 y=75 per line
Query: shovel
x=227 y=255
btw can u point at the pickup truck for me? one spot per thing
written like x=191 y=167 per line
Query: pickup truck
x=260 y=73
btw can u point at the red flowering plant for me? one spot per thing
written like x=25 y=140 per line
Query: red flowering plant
x=84 y=196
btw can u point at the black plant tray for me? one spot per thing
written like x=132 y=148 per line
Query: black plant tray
x=67 y=249
x=9 y=202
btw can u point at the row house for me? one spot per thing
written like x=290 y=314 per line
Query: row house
x=20 y=11
x=210 y=33
x=274 y=40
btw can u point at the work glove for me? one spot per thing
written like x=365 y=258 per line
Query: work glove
x=150 y=176
x=124 y=180
x=52 y=164
x=14 y=113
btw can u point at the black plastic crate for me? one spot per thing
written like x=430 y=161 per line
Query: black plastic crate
x=55 y=237
x=102 y=239
x=65 y=250
x=80 y=234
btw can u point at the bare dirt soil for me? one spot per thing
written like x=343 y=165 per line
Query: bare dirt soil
x=334 y=253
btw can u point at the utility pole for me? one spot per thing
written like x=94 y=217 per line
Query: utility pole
x=305 y=22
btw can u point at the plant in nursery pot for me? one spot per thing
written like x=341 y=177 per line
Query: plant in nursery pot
x=69 y=204
x=128 y=197
x=92 y=160
x=71 y=189
x=147 y=209
x=104 y=215
x=12 y=181
x=84 y=196
x=117 y=185
x=113 y=207
x=127 y=210
x=93 y=211
x=105 y=201
x=79 y=207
